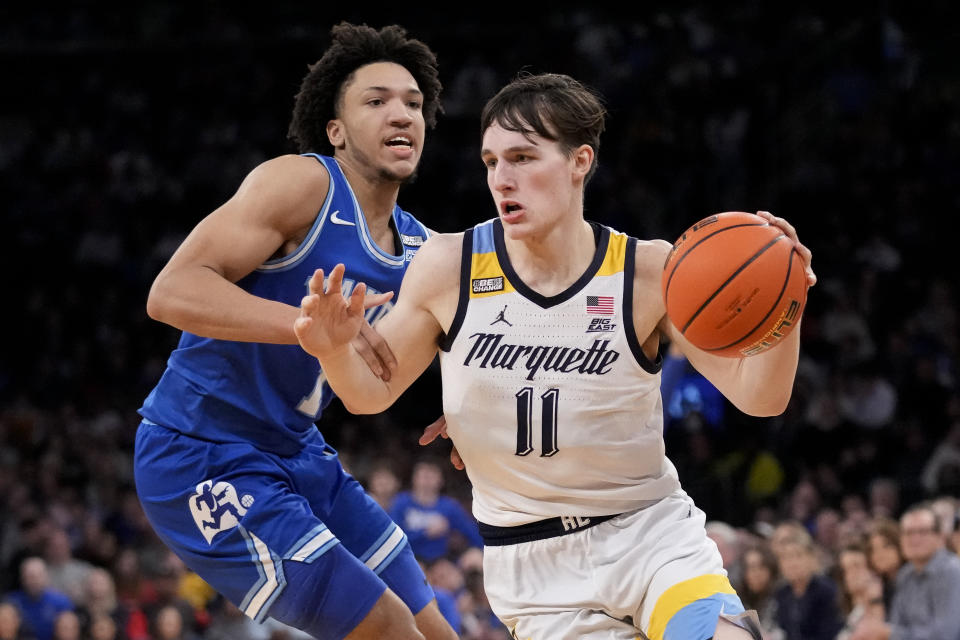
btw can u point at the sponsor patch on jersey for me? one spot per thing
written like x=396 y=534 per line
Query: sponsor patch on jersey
x=487 y=285
x=216 y=507
x=411 y=241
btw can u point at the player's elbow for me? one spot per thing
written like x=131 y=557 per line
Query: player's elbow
x=767 y=406
x=363 y=408
x=158 y=307
x=163 y=305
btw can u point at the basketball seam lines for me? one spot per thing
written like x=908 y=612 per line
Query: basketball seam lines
x=728 y=280
x=786 y=281
x=699 y=242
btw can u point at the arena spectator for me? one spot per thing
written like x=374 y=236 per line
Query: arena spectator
x=885 y=555
x=807 y=602
x=760 y=579
x=38 y=603
x=926 y=601
x=431 y=519
x=67 y=574
x=66 y=626
x=382 y=484
x=11 y=623
x=227 y=622
x=861 y=588
x=169 y=624
x=103 y=627
x=730 y=546
x=129 y=621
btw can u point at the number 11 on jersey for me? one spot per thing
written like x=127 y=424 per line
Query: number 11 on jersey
x=548 y=423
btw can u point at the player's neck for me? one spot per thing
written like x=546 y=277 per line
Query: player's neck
x=377 y=198
x=551 y=262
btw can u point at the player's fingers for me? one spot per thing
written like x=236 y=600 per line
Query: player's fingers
x=376 y=299
x=309 y=304
x=437 y=427
x=362 y=346
x=805 y=253
x=456 y=460
x=301 y=326
x=356 y=299
x=335 y=281
x=787 y=228
x=380 y=348
x=316 y=282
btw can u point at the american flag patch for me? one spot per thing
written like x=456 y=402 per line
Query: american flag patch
x=600 y=305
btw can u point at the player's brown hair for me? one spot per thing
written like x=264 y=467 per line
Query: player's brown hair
x=552 y=105
x=352 y=47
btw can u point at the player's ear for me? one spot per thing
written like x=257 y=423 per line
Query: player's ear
x=335 y=133
x=583 y=157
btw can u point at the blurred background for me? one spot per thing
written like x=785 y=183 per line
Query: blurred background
x=120 y=130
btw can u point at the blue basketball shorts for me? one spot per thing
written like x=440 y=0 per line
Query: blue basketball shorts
x=294 y=538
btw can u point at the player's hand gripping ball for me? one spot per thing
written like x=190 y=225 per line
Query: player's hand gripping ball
x=734 y=285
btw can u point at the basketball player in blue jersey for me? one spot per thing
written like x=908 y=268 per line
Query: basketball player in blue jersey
x=229 y=466
x=549 y=331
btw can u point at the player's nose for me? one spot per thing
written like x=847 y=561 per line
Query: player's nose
x=502 y=178
x=400 y=113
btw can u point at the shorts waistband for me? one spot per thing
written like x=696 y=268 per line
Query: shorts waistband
x=494 y=536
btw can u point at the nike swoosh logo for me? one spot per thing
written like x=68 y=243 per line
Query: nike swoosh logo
x=335 y=219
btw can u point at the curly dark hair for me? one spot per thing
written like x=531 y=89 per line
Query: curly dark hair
x=352 y=47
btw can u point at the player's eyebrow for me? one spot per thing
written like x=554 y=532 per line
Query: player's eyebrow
x=381 y=89
x=522 y=148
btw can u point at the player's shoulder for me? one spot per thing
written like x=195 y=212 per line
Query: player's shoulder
x=291 y=169
x=289 y=189
x=650 y=256
x=441 y=249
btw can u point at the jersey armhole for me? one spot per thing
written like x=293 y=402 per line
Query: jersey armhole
x=466 y=259
x=629 y=329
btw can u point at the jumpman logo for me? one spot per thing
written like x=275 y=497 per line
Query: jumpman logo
x=502 y=318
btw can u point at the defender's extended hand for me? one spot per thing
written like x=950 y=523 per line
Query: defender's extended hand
x=327 y=320
x=375 y=351
x=439 y=428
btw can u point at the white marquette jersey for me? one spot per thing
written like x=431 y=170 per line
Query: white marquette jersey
x=551 y=401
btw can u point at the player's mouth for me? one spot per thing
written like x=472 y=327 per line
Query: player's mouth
x=401 y=145
x=511 y=211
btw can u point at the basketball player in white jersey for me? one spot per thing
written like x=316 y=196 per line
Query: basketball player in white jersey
x=549 y=330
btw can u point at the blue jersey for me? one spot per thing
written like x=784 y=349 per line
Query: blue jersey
x=270 y=395
x=416 y=519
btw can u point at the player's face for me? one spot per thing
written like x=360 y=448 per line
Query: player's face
x=381 y=123
x=533 y=182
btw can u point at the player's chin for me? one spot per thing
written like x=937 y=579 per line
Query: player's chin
x=517 y=230
x=402 y=173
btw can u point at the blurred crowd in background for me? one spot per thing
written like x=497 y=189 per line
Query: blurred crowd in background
x=119 y=132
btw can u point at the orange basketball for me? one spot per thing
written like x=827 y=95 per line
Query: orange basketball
x=734 y=285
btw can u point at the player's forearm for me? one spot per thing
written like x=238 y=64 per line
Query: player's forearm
x=202 y=302
x=359 y=389
x=766 y=379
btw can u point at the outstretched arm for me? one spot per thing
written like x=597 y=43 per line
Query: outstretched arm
x=196 y=291
x=759 y=385
x=328 y=323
